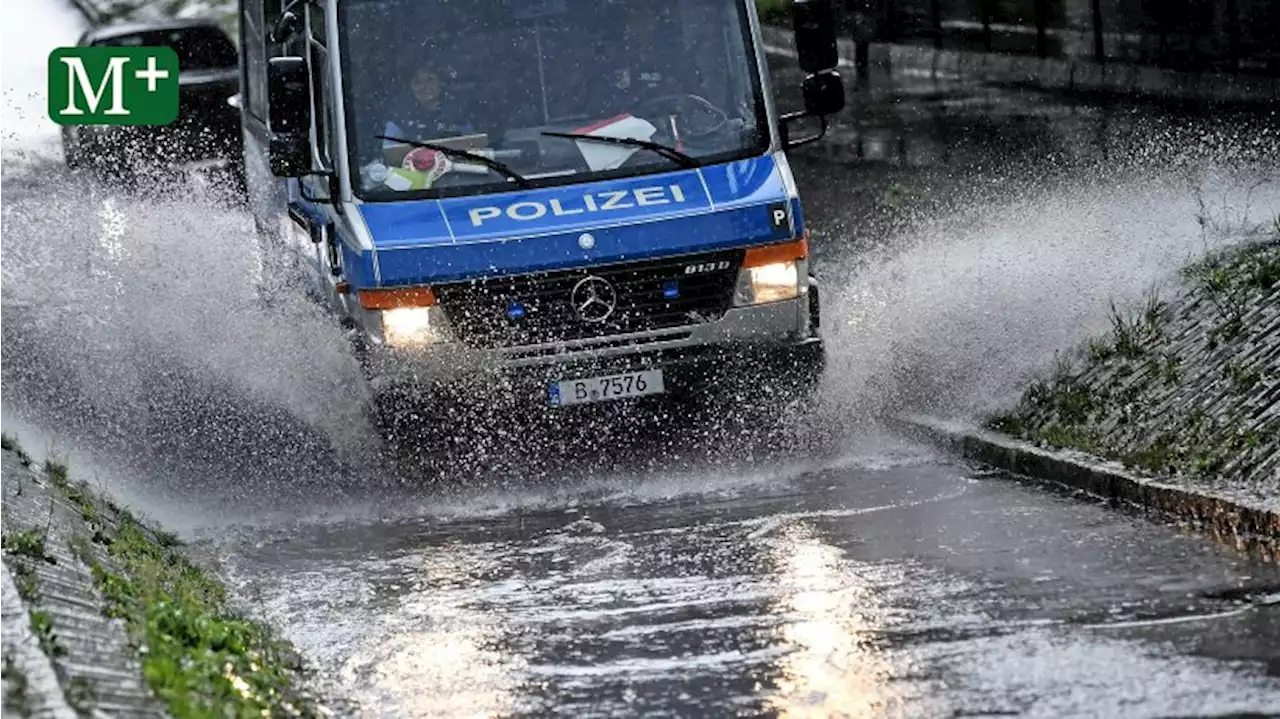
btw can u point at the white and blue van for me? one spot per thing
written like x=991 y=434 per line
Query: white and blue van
x=569 y=201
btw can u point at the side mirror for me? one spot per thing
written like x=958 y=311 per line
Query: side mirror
x=289 y=114
x=819 y=54
x=285 y=26
x=823 y=93
x=815 y=29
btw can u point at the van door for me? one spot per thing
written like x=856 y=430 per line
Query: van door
x=312 y=208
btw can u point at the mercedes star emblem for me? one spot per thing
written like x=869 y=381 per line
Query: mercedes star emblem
x=594 y=299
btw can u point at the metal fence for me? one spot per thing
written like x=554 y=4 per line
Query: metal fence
x=1232 y=36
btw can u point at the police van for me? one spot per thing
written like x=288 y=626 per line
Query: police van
x=560 y=201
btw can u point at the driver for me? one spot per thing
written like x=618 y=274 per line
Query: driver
x=431 y=113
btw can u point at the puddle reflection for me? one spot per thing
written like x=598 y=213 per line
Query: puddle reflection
x=832 y=668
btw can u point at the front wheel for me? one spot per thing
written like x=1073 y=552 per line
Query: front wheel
x=798 y=373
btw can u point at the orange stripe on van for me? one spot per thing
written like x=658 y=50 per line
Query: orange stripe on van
x=784 y=252
x=398 y=297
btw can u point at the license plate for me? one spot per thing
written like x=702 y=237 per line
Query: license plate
x=603 y=389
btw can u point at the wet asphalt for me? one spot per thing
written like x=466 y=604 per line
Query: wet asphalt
x=848 y=574
x=837 y=572
x=890 y=582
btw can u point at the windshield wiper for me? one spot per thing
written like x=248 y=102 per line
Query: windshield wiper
x=668 y=152
x=494 y=165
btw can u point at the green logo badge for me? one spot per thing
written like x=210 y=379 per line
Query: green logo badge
x=113 y=85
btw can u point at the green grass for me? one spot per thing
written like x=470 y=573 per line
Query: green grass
x=1100 y=350
x=198 y=657
x=1160 y=456
x=1130 y=335
x=1070 y=437
x=1011 y=424
x=42 y=625
x=1223 y=280
x=1129 y=372
x=24 y=578
x=55 y=470
x=1242 y=380
x=10 y=444
x=79 y=494
x=28 y=544
x=201 y=659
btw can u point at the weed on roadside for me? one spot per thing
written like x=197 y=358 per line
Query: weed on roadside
x=55 y=470
x=1100 y=350
x=1130 y=402
x=1067 y=436
x=1011 y=424
x=28 y=544
x=1262 y=269
x=1128 y=334
x=1159 y=457
x=81 y=550
x=10 y=444
x=199 y=657
x=1215 y=279
x=42 y=626
x=1242 y=379
x=79 y=494
x=24 y=579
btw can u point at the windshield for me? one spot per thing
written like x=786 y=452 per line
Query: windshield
x=495 y=77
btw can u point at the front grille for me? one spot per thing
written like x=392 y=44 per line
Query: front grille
x=479 y=309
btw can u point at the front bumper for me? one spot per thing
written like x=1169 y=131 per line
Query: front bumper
x=761 y=339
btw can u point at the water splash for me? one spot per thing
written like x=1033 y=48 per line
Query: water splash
x=954 y=314
x=117 y=306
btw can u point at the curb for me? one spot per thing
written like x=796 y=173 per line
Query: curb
x=1245 y=527
x=97 y=667
x=1051 y=74
x=43 y=694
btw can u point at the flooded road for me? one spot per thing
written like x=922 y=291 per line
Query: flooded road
x=846 y=572
x=963 y=234
x=900 y=586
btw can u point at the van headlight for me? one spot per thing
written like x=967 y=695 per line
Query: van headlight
x=413 y=327
x=409 y=316
x=772 y=273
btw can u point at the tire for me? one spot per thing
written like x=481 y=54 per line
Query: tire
x=412 y=429
x=815 y=307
